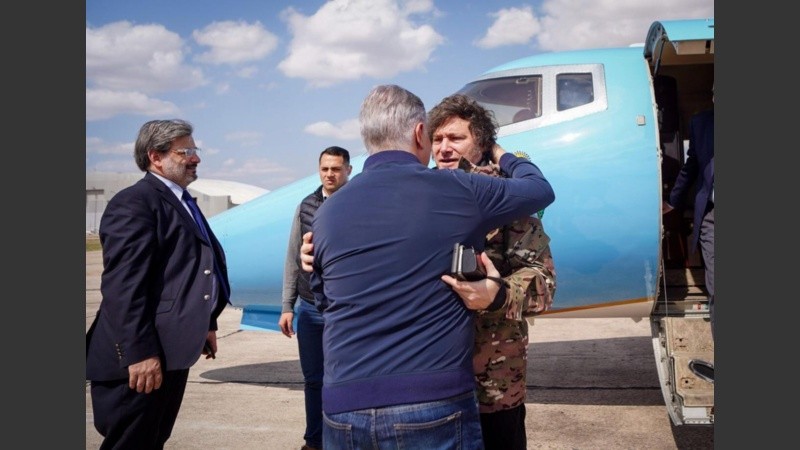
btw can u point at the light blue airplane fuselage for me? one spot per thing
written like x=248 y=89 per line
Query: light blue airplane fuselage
x=602 y=158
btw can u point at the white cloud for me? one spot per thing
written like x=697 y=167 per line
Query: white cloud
x=256 y=171
x=222 y=88
x=104 y=104
x=234 y=42
x=261 y=166
x=352 y=39
x=346 y=130
x=268 y=86
x=119 y=165
x=418 y=6
x=97 y=146
x=578 y=24
x=511 y=26
x=245 y=138
x=144 y=58
x=247 y=72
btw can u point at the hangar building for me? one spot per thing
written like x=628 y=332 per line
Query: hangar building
x=213 y=196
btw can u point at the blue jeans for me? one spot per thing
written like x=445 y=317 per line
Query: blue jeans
x=309 y=341
x=449 y=424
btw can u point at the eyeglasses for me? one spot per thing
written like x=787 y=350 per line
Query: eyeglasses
x=187 y=152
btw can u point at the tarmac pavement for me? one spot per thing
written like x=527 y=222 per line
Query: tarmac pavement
x=592 y=384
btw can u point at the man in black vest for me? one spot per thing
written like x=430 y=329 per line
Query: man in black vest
x=334 y=171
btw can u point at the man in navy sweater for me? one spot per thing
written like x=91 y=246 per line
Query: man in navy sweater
x=397 y=340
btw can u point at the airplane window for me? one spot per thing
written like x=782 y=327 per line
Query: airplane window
x=512 y=99
x=574 y=89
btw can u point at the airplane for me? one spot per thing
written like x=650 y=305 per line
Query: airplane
x=608 y=127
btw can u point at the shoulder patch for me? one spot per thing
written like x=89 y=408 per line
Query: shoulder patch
x=521 y=154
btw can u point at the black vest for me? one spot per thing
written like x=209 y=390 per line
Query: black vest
x=308 y=207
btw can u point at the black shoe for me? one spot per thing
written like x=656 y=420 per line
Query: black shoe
x=704 y=370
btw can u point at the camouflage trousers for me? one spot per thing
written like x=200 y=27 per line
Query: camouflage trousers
x=500 y=359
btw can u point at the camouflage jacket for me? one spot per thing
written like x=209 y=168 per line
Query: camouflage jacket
x=521 y=253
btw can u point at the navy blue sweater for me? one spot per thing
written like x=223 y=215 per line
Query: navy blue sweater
x=394 y=332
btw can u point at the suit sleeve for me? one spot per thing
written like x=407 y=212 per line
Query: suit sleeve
x=129 y=254
x=688 y=173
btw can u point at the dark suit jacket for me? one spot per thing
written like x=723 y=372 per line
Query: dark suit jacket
x=156 y=284
x=698 y=170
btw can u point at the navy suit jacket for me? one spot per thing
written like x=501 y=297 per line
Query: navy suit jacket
x=698 y=170
x=156 y=285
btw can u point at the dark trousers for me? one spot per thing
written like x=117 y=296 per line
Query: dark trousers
x=504 y=430
x=309 y=340
x=706 y=242
x=137 y=421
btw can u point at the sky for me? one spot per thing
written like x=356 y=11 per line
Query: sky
x=269 y=84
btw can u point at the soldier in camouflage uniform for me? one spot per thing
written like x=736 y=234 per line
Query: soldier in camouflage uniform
x=463 y=134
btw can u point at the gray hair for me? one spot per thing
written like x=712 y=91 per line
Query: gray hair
x=388 y=117
x=158 y=135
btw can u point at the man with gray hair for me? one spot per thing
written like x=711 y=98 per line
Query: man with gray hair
x=397 y=340
x=164 y=284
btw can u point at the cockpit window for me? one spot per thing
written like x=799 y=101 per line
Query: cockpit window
x=512 y=99
x=574 y=89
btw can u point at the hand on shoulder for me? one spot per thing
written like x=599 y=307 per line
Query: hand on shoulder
x=497 y=152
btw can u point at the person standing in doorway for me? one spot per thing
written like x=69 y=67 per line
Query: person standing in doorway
x=698 y=171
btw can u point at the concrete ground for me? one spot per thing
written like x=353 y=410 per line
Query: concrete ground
x=592 y=384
